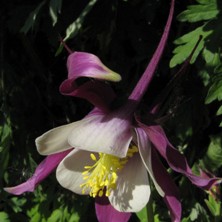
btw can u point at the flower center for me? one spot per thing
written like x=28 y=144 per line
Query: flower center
x=101 y=177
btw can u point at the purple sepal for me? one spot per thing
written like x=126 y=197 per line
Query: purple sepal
x=42 y=171
x=174 y=158
x=163 y=179
x=97 y=93
x=82 y=64
x=107 y=213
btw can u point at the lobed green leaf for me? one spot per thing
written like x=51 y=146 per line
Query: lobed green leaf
x=206 y=10
x=215 y=90
x=186 y=44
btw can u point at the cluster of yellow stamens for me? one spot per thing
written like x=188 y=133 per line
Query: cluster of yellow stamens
x=102 y=176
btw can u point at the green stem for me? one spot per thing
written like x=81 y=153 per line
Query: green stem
x=149 y=207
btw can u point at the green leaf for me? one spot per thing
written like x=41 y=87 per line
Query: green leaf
x=219 y=111
x=36 y=214
x=204 y=74
x=36 y=218
x=59 y=50
x=4 y=217
x=207 y=9
x=187 y=43
x=55 y=8
x=194 y=214
x=32 y=18
x=218 y=69
x=211 y=52
x=74 y=27
x=211 y=58
x=142 y=215
x=74 y=217
x=5 y=142
x=212 y=160
x=214 y=206
x=198 y=213
x=215 y=90
x=17 y=203
x=5 y=136
x=56 y=216
x=186 y=219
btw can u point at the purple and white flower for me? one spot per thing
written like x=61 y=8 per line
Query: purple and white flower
x=112 y=154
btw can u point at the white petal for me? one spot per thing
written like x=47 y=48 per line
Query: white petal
x=55 y=140
x=98 y=133
x=69 y=171
x=133 y=190
x=145 y=153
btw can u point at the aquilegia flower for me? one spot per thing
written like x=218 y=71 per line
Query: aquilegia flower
x=108 y=153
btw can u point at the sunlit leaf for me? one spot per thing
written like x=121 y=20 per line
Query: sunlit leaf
x=35 y=214
x=211 y=31
x=142 y=215
x=211 y=58
x=4 y=217
x=214 y=206
x=186 y=43
x=205 y=10
x=56 y=216
x=198 y=213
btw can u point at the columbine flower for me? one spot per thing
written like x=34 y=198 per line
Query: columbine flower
x=110 y=152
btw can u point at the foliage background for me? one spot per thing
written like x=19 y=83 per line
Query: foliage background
x=124 y=35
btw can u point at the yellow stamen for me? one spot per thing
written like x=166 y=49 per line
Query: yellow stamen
x=101 y=177
x=93 y=157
